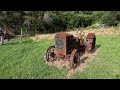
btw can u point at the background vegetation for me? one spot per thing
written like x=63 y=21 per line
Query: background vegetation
x=26 y=60
x=35 y=22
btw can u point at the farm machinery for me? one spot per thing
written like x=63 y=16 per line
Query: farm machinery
x=68 y=47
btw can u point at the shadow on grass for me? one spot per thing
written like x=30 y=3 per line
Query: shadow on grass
x=86 y=57
x=97 y=46
x=83 y=59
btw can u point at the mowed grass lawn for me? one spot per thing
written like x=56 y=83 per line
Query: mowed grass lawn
x=26 y=60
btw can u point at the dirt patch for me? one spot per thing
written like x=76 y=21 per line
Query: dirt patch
x=43 y=37
x=59 y=64
x=85 y=59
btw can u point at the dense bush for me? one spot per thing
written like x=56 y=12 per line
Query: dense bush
x=96 y=26
x=109 y=19
x=118 y=25
x=96 y=15
x=34 y=22
x=76 y=20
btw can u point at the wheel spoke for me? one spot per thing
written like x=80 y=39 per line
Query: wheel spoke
x=50 y=52
x=74 y=58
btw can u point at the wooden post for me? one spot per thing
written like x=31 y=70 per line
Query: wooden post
x=1 y=40
x=21 y=36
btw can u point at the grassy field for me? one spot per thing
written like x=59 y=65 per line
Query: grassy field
x=107 y=64
x=26 y=60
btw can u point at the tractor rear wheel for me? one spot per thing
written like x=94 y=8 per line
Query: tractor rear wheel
x=74 y=58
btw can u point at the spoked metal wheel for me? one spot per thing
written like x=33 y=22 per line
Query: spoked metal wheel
x=74 y=58
x=50 y=54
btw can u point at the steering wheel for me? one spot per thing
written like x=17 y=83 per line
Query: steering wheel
x=80 y=34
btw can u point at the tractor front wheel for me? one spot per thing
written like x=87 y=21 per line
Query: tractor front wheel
x=50 y=54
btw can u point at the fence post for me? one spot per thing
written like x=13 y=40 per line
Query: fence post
x=21 y=36
x=1 y=39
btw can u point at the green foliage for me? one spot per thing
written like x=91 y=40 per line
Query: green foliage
x=96 y=26
x=55 y=21
x=109 y=18
x=47 y=22
x=76 y=20
x=96 y=15
x=118 y=25
x=58 y=23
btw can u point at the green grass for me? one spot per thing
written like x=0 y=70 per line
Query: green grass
x=107 y=64
x=26 y=61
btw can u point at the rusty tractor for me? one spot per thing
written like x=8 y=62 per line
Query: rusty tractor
x=68 y=47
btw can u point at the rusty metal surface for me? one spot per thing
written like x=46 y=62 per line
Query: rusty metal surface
x=90 y=42
x=62 y=42
x=66 y=46
x=72 y=58
x=91 y=35
x=62 y=35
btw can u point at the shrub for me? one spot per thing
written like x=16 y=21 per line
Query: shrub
x=109 y=19
x=96 y=15
x=96 y=26
x=118 y=25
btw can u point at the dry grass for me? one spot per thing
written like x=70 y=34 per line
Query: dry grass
x=102 y=31
x=43 y=37
x=85 y=59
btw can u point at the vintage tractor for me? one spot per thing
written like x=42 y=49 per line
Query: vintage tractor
x=68 y=47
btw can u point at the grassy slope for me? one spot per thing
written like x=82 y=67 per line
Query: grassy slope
x=26 y=60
